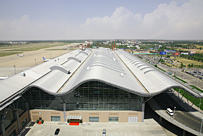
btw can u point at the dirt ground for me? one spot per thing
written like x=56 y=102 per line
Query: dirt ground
x=30 y=59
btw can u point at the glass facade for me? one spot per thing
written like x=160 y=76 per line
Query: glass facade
x=99 y=96
x=7 y=115
x=88 y=96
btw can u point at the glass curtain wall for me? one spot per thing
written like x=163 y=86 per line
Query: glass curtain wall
x=39 y=99
x=99 y=96
x=7 y=115
x=92 y=95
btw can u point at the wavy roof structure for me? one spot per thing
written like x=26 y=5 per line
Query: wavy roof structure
x=118 y=68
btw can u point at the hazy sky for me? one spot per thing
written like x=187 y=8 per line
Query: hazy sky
x=101 y=19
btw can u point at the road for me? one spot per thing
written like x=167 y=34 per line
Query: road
x=186 y=77
x=182 y=116
x=177 y=71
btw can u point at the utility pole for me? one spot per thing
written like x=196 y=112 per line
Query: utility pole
x=174 y=113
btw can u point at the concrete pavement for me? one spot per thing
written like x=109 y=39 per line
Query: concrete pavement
x=149 y=127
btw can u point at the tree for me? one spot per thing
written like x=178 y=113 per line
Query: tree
x=181 y=65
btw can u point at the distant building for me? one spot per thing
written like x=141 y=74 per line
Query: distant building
x=184 y=53
x=191 y=52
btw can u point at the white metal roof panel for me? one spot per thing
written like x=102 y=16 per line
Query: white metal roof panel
x=119 y=69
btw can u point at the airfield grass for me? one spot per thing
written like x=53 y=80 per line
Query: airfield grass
x=29 y=47
x=55 y=49
x=2 y=54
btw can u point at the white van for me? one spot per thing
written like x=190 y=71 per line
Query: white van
x=169 y=111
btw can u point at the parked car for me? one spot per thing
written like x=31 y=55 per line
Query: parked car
x=57 y=131
x=169 y=111
x=104 y=132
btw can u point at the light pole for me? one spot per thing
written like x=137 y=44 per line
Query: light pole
x=35 y=62
x=197 y=81
x=14 y=68
x=201 y=126
x=174 y=113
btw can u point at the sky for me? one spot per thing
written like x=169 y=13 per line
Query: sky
x=101 y=19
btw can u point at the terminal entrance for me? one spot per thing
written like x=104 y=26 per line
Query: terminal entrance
x=74 y=120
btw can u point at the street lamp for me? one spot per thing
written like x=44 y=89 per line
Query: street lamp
x=174 y=113
x=35 y=62
x=201 y=126
x=14 y=68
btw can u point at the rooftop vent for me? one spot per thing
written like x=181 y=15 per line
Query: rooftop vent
x=23 y=74
x=122 y=75
x=88 y=68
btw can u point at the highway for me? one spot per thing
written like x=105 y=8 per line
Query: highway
x=182 y=116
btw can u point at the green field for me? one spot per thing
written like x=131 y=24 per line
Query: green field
x=186 y=61
x=180 y=79
x=30 y=47
x=6 y=50
x=8 y=53
x=190 y=98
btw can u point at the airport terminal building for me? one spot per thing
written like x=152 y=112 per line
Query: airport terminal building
x=94 y=85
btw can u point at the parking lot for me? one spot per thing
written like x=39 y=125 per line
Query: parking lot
x=149 y=127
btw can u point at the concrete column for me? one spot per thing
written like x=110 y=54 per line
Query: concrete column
x=28 y=109
x=16 y=115
x=2 y=128
x=160 y=119
x=64 y=111
x=143 y=107
x=183 y=132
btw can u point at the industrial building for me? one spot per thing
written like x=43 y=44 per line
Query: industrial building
x=94 y=85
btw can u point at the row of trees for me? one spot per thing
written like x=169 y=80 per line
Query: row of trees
x=196 y=56
x=191 y=66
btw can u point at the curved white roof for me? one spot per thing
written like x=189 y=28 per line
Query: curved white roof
x=117 y=68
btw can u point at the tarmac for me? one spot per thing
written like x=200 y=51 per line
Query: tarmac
x=12 y=64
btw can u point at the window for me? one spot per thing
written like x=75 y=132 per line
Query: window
x=24 y=122
x=113 y=119
x=93 y=119
x=55 y=118
x=132 y=119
